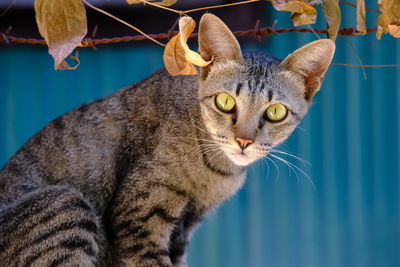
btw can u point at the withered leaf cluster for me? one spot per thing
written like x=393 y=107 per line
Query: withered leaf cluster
x=63 y=25
x=389 y=20
x=178 y=58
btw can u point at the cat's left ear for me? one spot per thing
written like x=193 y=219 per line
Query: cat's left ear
x=311 y=62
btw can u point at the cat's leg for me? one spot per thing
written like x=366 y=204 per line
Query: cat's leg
x=181 y=235
x=143 y=224
x=50 y=227
x=178 y=245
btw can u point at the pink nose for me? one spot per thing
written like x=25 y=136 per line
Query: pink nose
x=243 y=143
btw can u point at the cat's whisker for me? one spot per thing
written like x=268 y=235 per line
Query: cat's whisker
x=193 y=138
x=296 y=167
x=290 y=167
x=266 y=162
x=211 y=157
x=203 y=149
x=291 y=155
x=204 y=130
x=300 y=128
x=277 y=169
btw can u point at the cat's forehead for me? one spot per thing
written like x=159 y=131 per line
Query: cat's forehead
x=256 y=81
x=248 y=78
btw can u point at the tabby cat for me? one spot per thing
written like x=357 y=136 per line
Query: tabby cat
x=123 y=181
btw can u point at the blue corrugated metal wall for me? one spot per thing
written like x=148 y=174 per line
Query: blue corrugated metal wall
x=350 y=137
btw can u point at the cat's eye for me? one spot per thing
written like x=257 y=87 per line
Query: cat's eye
x=225 y=102
x=276 y=112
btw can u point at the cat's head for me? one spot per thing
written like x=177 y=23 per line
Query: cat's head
x=251 y=103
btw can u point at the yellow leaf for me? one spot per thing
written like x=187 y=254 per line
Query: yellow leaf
x=158 y=2
x=303 y=18
x=178 y=58
x=361 y=24
x=302 y=12
x=294 y=6
x=333 y=17
x=394 y=30
x=390 y=10
x=62 y=23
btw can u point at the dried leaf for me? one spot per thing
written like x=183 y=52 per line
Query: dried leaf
x=62 y=23
x=361 y=22
x=394 y=30
x=65 y=66
x=390 y=10
x=158 y=2
x=333 y=17
x=294 y=6
x=308 y=16
x=302 y=12
x=178 y=58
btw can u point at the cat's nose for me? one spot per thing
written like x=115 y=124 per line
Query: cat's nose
x=243 y=143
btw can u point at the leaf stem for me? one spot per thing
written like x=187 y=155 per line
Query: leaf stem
x=218 y=6
x=123 y=22
x=8 y=8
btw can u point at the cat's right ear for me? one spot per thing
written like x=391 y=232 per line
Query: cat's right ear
x=311 y=62
x=216 y=42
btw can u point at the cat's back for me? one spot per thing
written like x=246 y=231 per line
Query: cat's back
x=86 y=147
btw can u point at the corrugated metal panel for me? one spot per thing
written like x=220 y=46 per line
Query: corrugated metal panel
x=350 y=137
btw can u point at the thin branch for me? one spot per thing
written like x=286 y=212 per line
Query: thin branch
x=365 y=66
x=123 y=22
x=8 y=8
x=162 y=7
x=313 y=31
x=218 y=6
x=353 y=5
x=357 y=55
x=180 y=12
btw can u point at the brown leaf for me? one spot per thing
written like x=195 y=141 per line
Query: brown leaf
x=333 y=17
x=158 y=2
x=308 y=16
x=62 y=23
x=361 y=22
x=394 y=30
x=390 y=10
x=302 y=12
x=178 y=58
x=293 y=6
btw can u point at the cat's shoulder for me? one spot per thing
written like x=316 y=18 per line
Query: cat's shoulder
x=161 y=78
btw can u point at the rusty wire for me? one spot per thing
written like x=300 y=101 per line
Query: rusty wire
x=257 y=32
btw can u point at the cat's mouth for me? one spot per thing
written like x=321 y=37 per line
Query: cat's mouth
x=240 y=158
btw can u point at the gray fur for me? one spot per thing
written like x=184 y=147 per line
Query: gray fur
x=124 y=180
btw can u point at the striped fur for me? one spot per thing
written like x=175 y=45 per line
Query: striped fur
x=125 y=180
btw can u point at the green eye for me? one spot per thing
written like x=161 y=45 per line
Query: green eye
x=276 y=112
x=225 y=102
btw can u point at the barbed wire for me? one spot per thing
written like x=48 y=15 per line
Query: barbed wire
x=256 y=32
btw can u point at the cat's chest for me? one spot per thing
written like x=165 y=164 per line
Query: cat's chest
x=210 y=189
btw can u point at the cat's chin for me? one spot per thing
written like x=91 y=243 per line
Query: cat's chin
x=240 y=159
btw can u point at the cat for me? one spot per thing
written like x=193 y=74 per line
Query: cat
x=124 y=180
